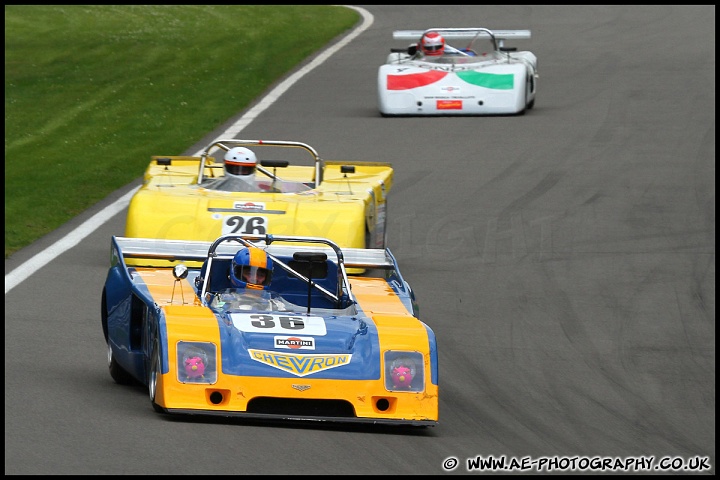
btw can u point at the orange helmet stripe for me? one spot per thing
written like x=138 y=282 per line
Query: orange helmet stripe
x=258 y=258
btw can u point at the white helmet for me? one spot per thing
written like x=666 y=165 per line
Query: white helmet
x=240 y=161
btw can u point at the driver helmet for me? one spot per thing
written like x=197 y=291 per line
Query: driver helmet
x=240 y=161
x=432 y=44
x=251 y=268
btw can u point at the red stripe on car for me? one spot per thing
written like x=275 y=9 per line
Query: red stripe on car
x=414 y=80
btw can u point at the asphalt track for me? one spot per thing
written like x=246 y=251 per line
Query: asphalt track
x=565 y=260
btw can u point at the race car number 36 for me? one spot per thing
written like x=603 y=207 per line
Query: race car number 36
x=266 y=323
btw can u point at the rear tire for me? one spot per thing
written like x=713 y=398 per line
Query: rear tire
x=531 y=89
x=119 y=374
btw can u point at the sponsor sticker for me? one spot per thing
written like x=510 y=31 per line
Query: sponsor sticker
x=449 y=104
x=249 y=206
x=295 y=343
x=299 y=364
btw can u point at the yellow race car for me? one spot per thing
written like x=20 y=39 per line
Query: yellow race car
x=192 y=198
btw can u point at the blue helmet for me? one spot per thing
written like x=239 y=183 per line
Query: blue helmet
x=251 y=268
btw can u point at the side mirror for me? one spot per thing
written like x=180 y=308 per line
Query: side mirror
x=180 y=271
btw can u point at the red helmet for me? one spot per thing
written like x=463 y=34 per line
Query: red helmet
x=432 y=44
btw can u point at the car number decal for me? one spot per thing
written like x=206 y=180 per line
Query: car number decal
x=244 y=224
x=267 y=323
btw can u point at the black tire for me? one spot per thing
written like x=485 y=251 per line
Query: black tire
x=369 y=242
x=119 y=374
x=531 y=89
x=385 y=227
x=153 y=372
x=104 y=314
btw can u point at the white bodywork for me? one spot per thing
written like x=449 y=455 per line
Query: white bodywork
x=483 y=78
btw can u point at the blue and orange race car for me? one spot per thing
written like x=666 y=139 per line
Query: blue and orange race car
x=312 y=344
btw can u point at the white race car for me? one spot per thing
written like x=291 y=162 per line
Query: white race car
x=482 y=78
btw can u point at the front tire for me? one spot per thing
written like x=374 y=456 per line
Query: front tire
x=153 y=374
x=104 y=314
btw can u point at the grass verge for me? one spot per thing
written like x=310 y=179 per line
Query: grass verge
x=92 y=91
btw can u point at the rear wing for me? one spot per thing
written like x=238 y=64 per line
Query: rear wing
x=464 y=34
x=183 y=250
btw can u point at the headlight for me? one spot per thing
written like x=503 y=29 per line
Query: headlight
x=404 y=371
x=196 y=362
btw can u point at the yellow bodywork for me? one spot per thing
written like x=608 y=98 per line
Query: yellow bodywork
x=346 y=208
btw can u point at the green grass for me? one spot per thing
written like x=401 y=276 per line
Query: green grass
x=92 y=91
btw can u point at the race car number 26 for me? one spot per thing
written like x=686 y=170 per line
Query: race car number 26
x=244 y=225
x=270 y=323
